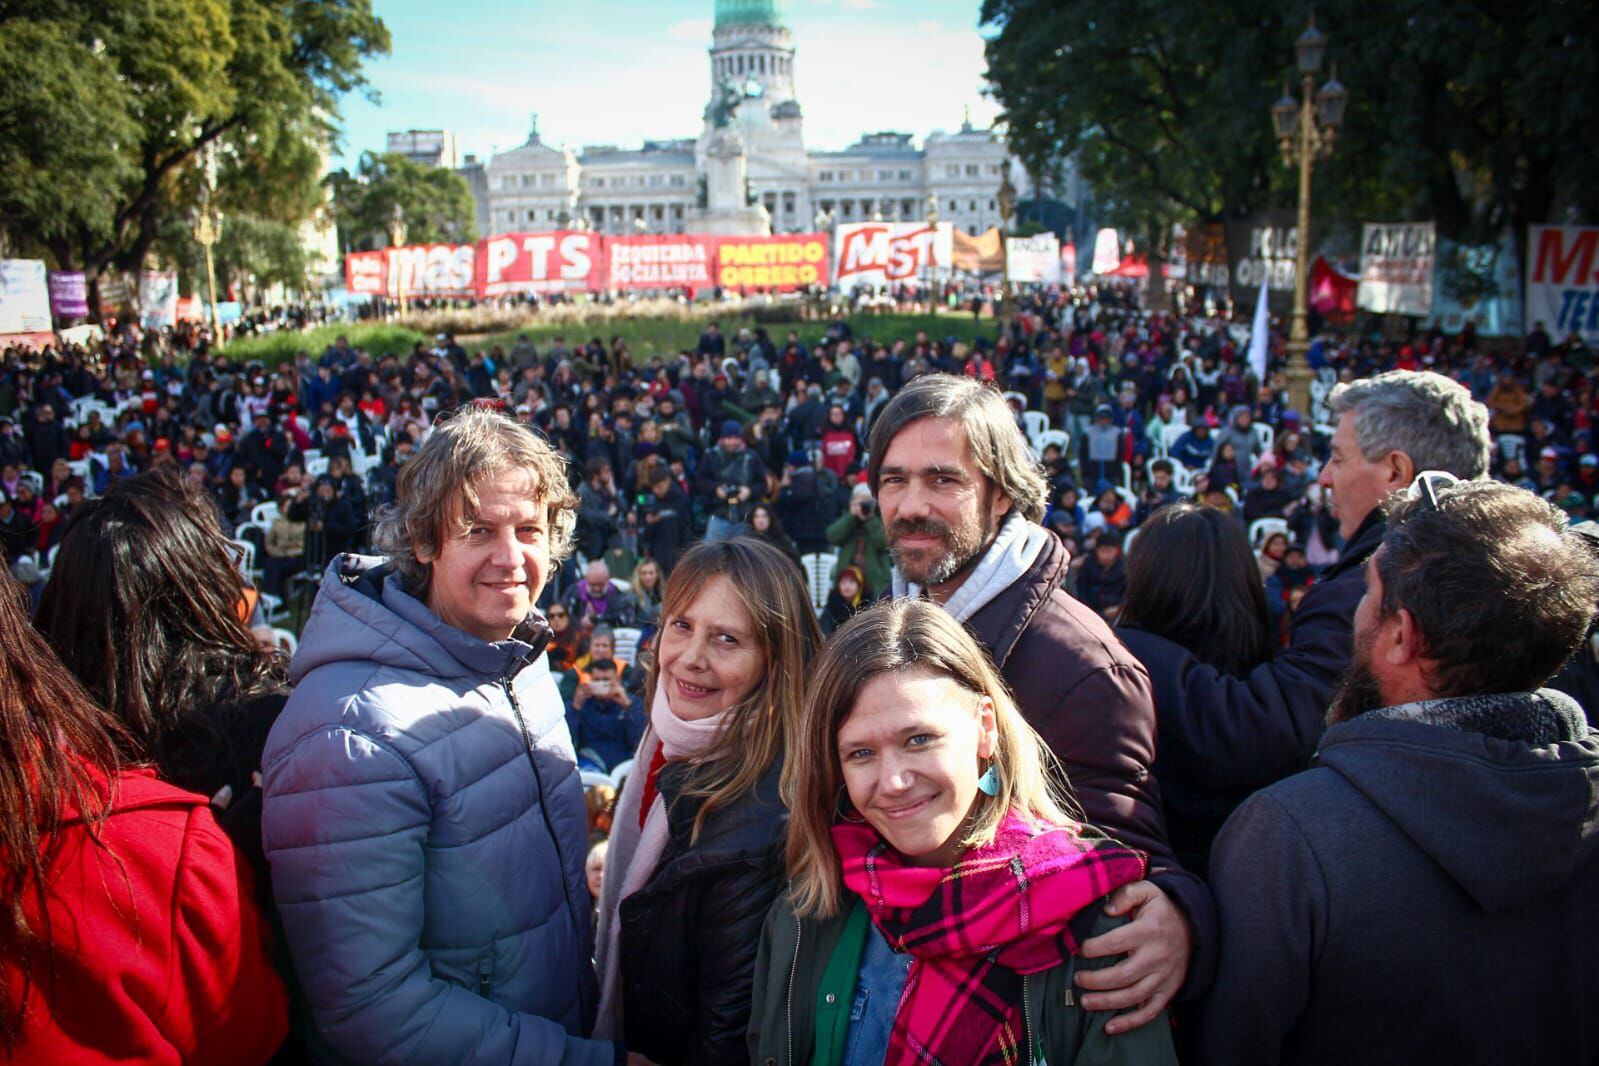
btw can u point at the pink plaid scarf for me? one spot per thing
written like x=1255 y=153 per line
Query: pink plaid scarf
x=974 y=929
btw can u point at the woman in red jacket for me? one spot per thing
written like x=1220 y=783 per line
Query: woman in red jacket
x=130 y=931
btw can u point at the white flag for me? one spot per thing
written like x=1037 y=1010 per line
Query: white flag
x=1259 y=340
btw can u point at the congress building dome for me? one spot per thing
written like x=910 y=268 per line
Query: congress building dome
x=748 y=12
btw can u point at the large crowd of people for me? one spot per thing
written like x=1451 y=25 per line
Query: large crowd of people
x=1065 y=696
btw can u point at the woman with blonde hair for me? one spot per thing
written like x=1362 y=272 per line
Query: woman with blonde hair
x=938 y=890
x=695 y=857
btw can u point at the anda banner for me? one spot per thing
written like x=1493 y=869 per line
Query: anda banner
x=889 y=253
x=772 y=264
x=1563 y=280
x=1033 y=260
x=1396 y=266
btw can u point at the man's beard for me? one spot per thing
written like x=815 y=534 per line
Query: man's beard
x=961 y=546
x=1358 y=692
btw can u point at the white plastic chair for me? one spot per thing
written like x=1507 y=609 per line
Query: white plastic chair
x=1058 y=437
x=80 y=469
x=1036 y=424
x=594 y=778
x=264 y=514
x=627 y=638
x=244 y=556
x=285 y=640
x=1265 y=437
x=818 y=568
x=1262 y=528
x=619 y=772
x=1182 y=479
x=316 y=467
x=1127 y=541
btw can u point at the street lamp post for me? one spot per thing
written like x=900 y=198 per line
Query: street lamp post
x=207 y=228
x=396 y=240
x=932 y=271
x=1306 y=131
x=1007 y=205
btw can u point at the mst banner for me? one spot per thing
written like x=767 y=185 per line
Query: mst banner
x=1396 y=267
x=888 y=253
x=1563 y=280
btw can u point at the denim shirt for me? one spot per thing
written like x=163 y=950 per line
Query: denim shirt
x=877 y=994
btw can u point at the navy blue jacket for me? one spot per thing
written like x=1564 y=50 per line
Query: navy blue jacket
x=1237 y=734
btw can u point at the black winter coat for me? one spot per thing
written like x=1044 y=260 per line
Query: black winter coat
x=689 y=937
x=1232 y=735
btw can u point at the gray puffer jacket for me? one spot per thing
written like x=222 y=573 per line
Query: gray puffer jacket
x=426 y=831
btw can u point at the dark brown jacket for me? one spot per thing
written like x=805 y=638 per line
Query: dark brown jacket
x=1091 y=701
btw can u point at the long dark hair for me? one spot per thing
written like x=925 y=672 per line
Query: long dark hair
x=144 y=605
x=1192 y=579
x=58 y=759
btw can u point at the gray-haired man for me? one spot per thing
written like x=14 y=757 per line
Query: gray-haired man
x=1244 y=733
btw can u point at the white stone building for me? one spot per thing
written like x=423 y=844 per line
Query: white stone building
x=657 y=188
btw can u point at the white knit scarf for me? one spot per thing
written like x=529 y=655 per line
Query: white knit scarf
x=1015 y=549
x=633 y=853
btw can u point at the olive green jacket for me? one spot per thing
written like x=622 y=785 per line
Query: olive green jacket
x=794 y=953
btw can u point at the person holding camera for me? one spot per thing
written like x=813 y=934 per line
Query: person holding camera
x=606 y=720
x=858 y=535
x=730 y=482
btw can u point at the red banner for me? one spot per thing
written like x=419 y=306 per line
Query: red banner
x=774 y=264
x=574 y=261
x=366 y=273
x=676 y=261
x=564 y=261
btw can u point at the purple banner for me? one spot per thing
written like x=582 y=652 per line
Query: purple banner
x=69 y=294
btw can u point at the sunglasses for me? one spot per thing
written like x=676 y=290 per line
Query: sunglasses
x=557 y=614
x=1428 y=484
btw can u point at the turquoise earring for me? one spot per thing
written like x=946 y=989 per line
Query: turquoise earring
x=988 y=784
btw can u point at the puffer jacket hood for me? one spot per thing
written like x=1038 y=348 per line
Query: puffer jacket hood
x=1509 y=821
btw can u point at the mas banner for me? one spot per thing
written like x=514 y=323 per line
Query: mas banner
x=431 y=270
x=1262 y=249
x=69 y=294
x=1396 y=267
x=779 y=264
x=24 y=296
x=564 y=261
x=1034 y=260
x=889 y=253
x=1563 y=280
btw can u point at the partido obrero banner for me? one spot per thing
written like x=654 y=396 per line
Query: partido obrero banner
x=575 y=261
x=1563 y=280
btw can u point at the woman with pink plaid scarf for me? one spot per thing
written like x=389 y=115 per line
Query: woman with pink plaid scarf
x=938 y=891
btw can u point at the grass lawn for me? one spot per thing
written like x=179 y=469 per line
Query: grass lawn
x=646 y=335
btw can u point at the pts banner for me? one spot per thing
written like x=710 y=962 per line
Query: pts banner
x=1563 y=280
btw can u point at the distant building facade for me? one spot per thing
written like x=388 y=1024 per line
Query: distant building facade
x=430 y=148
x=657 y=187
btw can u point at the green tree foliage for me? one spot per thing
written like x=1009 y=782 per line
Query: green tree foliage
x=111 y=104
x=435 y=204
x=1478 y=114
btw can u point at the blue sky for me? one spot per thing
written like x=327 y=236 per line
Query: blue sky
x=616 y=72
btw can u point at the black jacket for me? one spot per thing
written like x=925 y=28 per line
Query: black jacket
x=1232 y=735
x=1428 y=893
x=689 y=937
